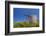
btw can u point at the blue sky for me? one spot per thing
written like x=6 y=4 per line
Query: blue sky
x=18 y=13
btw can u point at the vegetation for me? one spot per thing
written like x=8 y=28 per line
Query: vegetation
x=25 y=24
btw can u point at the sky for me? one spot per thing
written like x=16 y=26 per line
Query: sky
x=19 y=13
